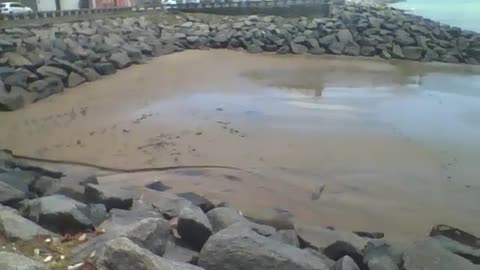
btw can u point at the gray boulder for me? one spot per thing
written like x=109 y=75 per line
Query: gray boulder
x=10 y=195
x=344 y=36
x=397 y=52
x=51 y=71
x=413 y=53
x=197 y=200
x=468 y=252
x=403 y=38
x=428 y=254
x=20 y=180
x=6 y=71
x=75 y=79
x=17 y=60
x=90 y=74
x=123 y=254
x=58 y=214
x=120 y=60
x=321 y=238
x=177 y=250
x=111 y=196
x=10 y=101
x=336 y=48
x=340 y=249
x=352 y=49
x=288 y=237
x=382 y=255
x=345 y=263
x=150 y=233
x=327 y=40
x=238 y=247
x=169 y=205
x=194 y=227
x=46 y=87
x=15 y=227
x=316 y=51
x=13 y=261
x=223 y=217
x=105 y=68
x=298 y=48
x=19 y=78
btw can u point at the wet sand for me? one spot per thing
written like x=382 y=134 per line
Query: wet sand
x=395 y=143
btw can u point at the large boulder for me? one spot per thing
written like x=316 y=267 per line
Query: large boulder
x=288 y=237
x=345 y=263
x=413 y=52
x=10 y=195
x=123 y=254
x=169 y=205
x=194 y=227
x=344 y=36
x=10 y=101
x=352 y=48
x=51 y=71
x=150 y=233
x=111 y=196
x=120 y=60
x=46 y=87
x=428 y=254
x=13 y=261
x=75 y=79
x=223 y=217
x=178 y=250
x=90 y=74
x=58 y=214
x=403 y=38
x=20 y=180
x=105 y=68
x=320 y=238
x=15 y=227
x=197 y=200
x=340 y=249
x=379 y=255
x=238 y=247
x=17 y=60
x=397 y=52
x=298 y=48
x=470 y=253
x=336 y=47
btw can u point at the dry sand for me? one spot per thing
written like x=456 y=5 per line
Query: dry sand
x=395 y=143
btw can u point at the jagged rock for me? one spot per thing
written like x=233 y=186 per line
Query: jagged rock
x=111 y=196
x=51 y=71
x=6 y=71
x=340 y=249
x=428 y=254
x=470 y=253
x=43 y=185
x=352 y=49
x=105 y=68
x=178 y=250
x=15 y=227
x=12 y=261
x=19 y=78
x=336 y=47
x=10 y=101
x=223 y=217
x=58 y=214
x=90 y=74
x=194 y=227
x=317 y=51
x=327 y=40
x=253 y=48
x=123 y=254
x=10 y=195
x=412 y=52
x=150 y=233
x=321 y=238
x=403 y=38
x=345 y=36
x=238 y=247
x=20 y=180
x=379 y=255
x=197 y=200
x=397 y=52
x=298 y=48
x=277 y=218
x=345 y=263
x=288 y=237
x=17 y=60
x=120 y=60
x=284 y=49
x=75 y=79
x=169 y=205
x=368 y=51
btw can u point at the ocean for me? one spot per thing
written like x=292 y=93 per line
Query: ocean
x=462 y=13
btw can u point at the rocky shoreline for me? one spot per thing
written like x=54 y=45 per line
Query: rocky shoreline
x=49 y=220
x=37 y=62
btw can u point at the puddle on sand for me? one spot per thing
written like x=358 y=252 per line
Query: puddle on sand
x=395 y=144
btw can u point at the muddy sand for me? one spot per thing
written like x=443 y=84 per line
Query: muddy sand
x=395 y=143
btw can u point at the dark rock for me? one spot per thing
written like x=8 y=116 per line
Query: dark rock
x=50 y=71
x=197 y=200
x=312 y=43
x=194 y=227
x=13 y=261
x=123 y=254
x=470 y=253
x=150 y=233
x=90 y=74
x=284 y=49
x=111 y=196
x=450 y=58
x=430 y=55
x=368 y=51
x=97 y=213
x=428 y=254
x=105 y=68
x=352 y=48
x=252 y=48
x=320 y=238
x=75 y=79
x=158 y=186
x=169 y=205
x=379 y=254
x=15 y=227
x=177 y=250
x=277 y=218
x=344 y=36
x=397 y=52
x=18 y=78
x=238 y=247
x=58 y=214
x=20 y=180
x=455 y=234
x=13 y=100
x=10 y=195
x=317 y=51
x=345 y=263
x=336 y=48
x=65 y=65
x=327 y=40
x=5 y=72
x=339 y=249
x=298 y=48
x=288 y=237
x=300 y=40
x=270 y=48
x=413 y=53
x=43 y=185
x=403 y=38
x=120 y=60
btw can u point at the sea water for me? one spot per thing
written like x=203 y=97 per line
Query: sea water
x=461 y=13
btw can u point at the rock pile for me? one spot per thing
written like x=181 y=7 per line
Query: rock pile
x=37 y=62
x=186 y=231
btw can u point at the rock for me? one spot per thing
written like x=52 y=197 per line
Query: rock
x=150 y=233
x=43 y=185
x=111 y=196
x=120 y=60
x=368 y=51
x=194 y=227
x=428 y=254
x=336 y=48
x=10 y=101
x=413 y=53
x=197 y=200
x=284 y=49
x=10 y=195
x=18 y=78
x=344 y=36
x=385 y=54
x=330 y=263
x=317 y=51
x=123 y=254
x=352 y=49
x=169 y=205
x=277 y=218
x=320 y=238
x=223 y=217
x=20 y=180
x=298 y=48
x=449 y=58
x=327 y=40
x=105 y=68
x=403 y=38
x=17 y=60
x=456 y=234
x=339 y=249
x=253 y=48
x=288 y=237
x=90 y=74
x=75 y=79
x=58 y=214
x=13 y=261
x=65 y=65
x=345 y=263
x=14 y=227
x=470 y=253
x=50 y=71
x=397 y=52
x=380 y=255
x=312 y=43
x=178 y=251
x=5 y=72
x=238 y=247
x=97 y=213
x=159 y=186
